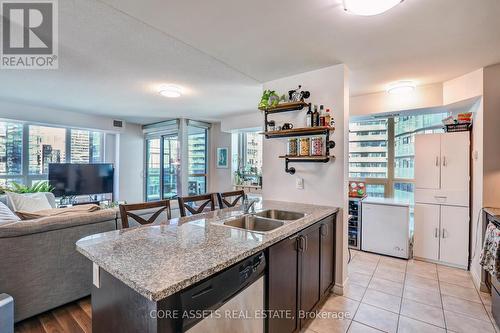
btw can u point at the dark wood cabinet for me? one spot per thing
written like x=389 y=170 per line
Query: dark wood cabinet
x=282 y=279
x=300 y=273
x=309 y=273
x=327 y=254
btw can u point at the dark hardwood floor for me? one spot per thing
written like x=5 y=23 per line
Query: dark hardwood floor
x=70 y=318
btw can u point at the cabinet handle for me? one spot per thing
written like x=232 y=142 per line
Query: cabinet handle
x=324 y=230
x=436 y=233
x=444 y=161
x=305 y=243
x=437 y=161
x=442 y=235
x=300 y=243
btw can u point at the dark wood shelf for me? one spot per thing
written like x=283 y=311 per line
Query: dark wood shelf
x=285 y=107
x=298 y=132
x=320 y=158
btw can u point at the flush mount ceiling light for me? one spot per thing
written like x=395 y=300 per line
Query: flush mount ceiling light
x=369 y=7
x=170 y=91
x=401 y=87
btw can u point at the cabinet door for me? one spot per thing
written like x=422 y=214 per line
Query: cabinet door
x=282 y=285
x=309 y=247
x=454 y=246
x=327 y=265
x=455 y=161
x=427 y=161
x=426 y=236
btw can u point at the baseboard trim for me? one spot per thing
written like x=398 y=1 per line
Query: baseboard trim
x=338 y=289
x=480 y=285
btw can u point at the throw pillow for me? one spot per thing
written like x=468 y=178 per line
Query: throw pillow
x=6 y=215
x=28 y=202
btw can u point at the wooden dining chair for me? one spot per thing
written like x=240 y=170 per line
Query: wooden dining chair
x=196 y=204
x=230 y=199
x=126 y=212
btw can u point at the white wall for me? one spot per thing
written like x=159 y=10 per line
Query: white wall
x=243 y=121
x=127 y=149
x=131 y=164
x=464 y=87
x=381 y=102
x=324 y=184
x=220 y=180
x=491 y=138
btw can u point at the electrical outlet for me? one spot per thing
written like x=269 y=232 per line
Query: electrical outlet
x=299 y=183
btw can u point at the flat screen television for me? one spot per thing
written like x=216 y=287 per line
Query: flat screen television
x=81 y=179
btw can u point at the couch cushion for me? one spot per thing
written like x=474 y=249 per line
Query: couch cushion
x=28 y=202
x=67 y=211
x=6 y=215
x=50 y=196
x=44 y=224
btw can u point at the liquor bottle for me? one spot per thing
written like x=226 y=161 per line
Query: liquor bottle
x=315 y=117
x=309 y=116
x=321 y=116
x=328 y=118
x=332 y=121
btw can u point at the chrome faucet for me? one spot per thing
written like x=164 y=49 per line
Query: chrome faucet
x=248 y=205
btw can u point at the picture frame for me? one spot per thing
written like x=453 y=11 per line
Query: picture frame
x=222 y=158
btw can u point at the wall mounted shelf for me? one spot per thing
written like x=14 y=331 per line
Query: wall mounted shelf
x=303 y=131
x=304 y=159
x=285 y=107
x=295 y=132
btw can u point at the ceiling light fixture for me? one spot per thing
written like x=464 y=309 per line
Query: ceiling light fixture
x=369 y=7
x=170 y=91
x=401 y=87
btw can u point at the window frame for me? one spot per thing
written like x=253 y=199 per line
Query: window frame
x=28 y=179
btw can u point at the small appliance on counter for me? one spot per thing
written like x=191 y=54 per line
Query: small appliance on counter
x=386 y=227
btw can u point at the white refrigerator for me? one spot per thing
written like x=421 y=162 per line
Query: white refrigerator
x=386 y=227
x=442 y=177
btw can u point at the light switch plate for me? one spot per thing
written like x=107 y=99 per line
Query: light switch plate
x=96 y=278
x=299 y=183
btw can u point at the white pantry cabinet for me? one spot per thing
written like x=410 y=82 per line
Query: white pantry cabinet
x=442 y=234
x=442 y=182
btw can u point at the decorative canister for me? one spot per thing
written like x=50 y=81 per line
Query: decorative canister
x=305 y=147
x=317 y=146
x=292 y=147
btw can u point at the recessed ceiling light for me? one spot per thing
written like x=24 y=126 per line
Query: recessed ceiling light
x=170 y=91
x=401 y=87
x=369 y=7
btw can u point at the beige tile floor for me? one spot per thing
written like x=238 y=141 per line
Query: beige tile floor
x=391 y=295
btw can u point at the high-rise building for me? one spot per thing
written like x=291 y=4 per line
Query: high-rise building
x=368 y=149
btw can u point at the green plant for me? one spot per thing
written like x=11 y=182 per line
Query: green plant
x=41 y=186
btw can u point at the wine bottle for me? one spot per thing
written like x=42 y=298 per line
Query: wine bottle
x=321 y=116
x=309 y=116
x=315 y=117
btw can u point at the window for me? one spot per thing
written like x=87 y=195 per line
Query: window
x=248 y=157
x=153 y=170
x=368 y=149
x=382 y=152
x=44 y=145
x=11 y=149
x=197 y=160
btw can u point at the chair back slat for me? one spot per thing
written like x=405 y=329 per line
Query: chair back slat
x=184 y=203
x=224 y=203
x=126 y=212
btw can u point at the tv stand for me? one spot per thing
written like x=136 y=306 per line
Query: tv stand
x=86 y=203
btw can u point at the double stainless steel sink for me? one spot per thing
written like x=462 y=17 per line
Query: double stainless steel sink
x=264 y=221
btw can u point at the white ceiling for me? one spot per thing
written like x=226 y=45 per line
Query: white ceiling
x=114 y=53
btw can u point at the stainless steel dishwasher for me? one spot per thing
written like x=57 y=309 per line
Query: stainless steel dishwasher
x=230 y=301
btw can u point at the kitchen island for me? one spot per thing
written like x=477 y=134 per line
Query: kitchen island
x=139 y=270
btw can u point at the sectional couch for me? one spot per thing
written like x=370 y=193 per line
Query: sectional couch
x=39 y=265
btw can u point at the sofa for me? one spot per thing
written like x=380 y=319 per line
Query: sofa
x=39 y=265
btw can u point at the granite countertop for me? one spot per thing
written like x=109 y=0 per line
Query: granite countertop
x=160 y=260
